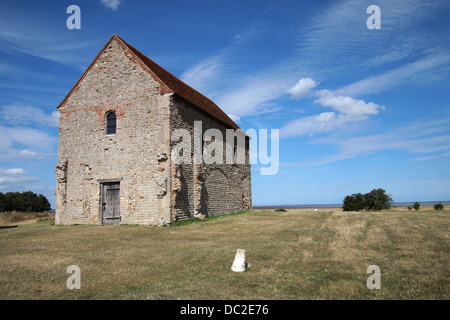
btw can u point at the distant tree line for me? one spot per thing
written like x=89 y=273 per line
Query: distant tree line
x=23 y=201
x=376 y=200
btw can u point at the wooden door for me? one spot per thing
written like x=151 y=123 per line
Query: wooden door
x=111 y=203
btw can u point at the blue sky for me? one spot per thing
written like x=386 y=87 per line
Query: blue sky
x=357 y=108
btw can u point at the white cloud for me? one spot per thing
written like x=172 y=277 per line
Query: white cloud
x=12 y=171
x=19 y=140
x=348 y=110
x=359 y=109
x=27 y=154
x=302 y=88
x=10 y=178
x=336 y=33
x=6 y=183
x=22 y=115
x=25 y=143
x=53 y=119
x=28 y=137
x=112 y=4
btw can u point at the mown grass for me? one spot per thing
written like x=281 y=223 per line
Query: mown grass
x=297 y=254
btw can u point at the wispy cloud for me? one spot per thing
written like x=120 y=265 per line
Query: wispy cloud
x=6 y=68
x=20 y=115
x=339 y=33
x=254 y=98
x=323 y=122
x=237 y=92
x=200 y=75
x=31 y=39
x=443 y=155
x=336 y=33
x=111 y=4
x=12 y=171
x=13 y=177
x=66 y=54
x=397 y=76
x=25 y=143
x=217 y=70
x=26 y=132
x=420 y=137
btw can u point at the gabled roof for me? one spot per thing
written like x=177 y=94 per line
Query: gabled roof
x=169 y=84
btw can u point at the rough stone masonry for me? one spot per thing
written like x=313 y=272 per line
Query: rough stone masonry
x=129 y=177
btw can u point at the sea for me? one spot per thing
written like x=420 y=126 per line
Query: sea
x=319 y=206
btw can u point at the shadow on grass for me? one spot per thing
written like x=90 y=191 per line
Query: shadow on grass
x=208 y=219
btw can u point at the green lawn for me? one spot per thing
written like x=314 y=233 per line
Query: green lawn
x=297 y=254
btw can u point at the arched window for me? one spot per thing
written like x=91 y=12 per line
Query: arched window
x=111 y=122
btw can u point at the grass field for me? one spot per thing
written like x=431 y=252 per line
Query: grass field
x=297 y=254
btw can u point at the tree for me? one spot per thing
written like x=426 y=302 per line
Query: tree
x=354 y=202
x=416 y=206
x=25 y=202
x=2 y=202
x=377 y=199
x=42 y=203
x=28 y=202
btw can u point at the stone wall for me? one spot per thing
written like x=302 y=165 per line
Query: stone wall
x=153 y=189
x=137 y=155
x=209 y=189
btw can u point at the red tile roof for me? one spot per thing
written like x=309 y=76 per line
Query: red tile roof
x=169 y=84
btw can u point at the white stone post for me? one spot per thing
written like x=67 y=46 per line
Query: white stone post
x=239 y=264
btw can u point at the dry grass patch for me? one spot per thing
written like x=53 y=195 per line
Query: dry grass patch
x=297 y=254
x=18 y=218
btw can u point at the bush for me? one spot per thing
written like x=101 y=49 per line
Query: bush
x=377 y=199
x=354 y=202
x=438 y=206
x=24 y=202
x=409 y=208
x=416 y=206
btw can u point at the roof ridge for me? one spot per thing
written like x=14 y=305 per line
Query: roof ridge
x=136 y=53
x=181 y=88
x=169 y=84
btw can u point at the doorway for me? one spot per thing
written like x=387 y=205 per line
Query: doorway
x=110 y=203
